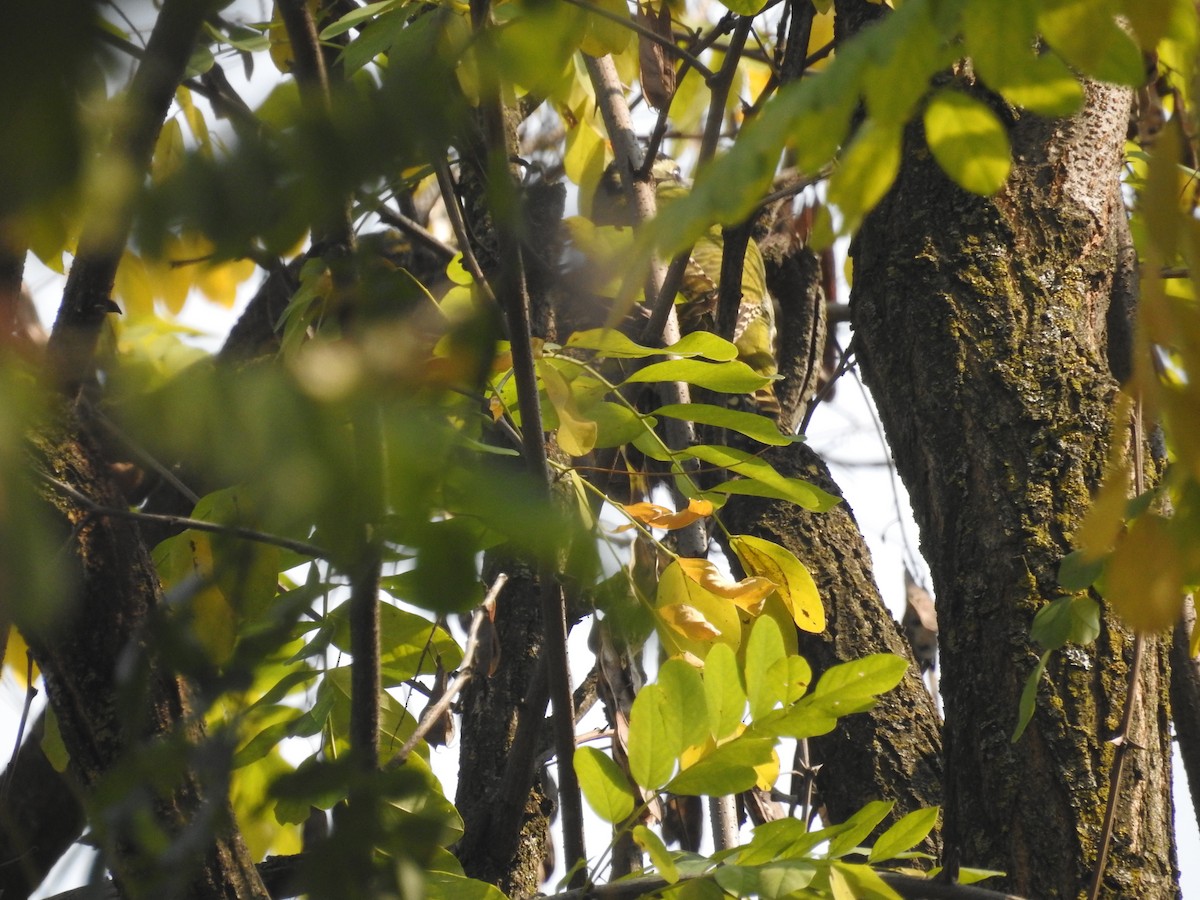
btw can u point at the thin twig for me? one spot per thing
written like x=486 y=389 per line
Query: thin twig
x=1122 y=740
x=459 y=226
x=98 y=509
x=30 y=693
x=415 y=231
x=466 y=672
x=87 y=297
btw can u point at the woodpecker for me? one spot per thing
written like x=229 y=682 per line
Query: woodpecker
x=754 y=333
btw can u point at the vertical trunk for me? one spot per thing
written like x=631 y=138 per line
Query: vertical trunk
x=117 y=702
x=981 y=330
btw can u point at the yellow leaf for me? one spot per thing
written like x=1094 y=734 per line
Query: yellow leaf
x=132 y=286
x=576 y=435
x=656 y=516
x=749 y=593
x=675 y=589
x=220 y=282
x=690 y=622
x=767 y=772
x=16 y=657
x=168 y=151
x=1143 y=579
x=214 y=623
x=1102 y=524
x=643 y=512
x=780 y=566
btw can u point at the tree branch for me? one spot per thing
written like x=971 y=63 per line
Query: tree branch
x=466 y=672
x=87 y=298
x=514 y=302
x=115 y=512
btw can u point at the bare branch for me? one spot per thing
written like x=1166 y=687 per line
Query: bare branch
x=250 y=534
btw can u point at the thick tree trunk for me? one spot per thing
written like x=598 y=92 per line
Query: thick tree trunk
x=891 y=752
x=980 y=328
x=116 y=702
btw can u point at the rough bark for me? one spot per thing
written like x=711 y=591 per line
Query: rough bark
x=114 y=696
x=981 y=331
x=506 y=825
x=892 y=752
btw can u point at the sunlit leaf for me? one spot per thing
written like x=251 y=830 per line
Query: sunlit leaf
x=862 y=882
x=749 y=593
x=775 y=880
x=1028 y=700
x=734 y=377
x=1143 y=579
x=696 y=616
x=760 y=428
x=855 y=829
x=728 y=769
x=904 y=834
x=866 y=171
x=604 y=785
x=1087 y=36
x=726 y=699
x=968 y=141
x=760 y=478
x=655 y=738
x=765 y=676
x=794 y=583
x=660 y=857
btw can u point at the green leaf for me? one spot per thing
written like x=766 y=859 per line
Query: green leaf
x=733 y=377
x=772 y=881
x=611 y=343
x=764 y=651
x=968 y=141
x=1000 y=42
x=793 y=582
x=865 y=171
x=905 y=834
x=1087 y=36
x=744 y=7
x=354 y=17
x=853 y=686
x=655 y=738
x=855 y=830
x=450 y=886
x=616 y=424
x=797 y=676
x=706 y=344
x=1029 y=697
x=863 y=882
x=658 y=853
x=723 y=691
x=772 y=841
x=729 y=769
x=760 y=478
x=1077 y=572
x=604 y=785
x=1067 y=619
x=683 y=688
x=52 y=743
x=752 y=425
